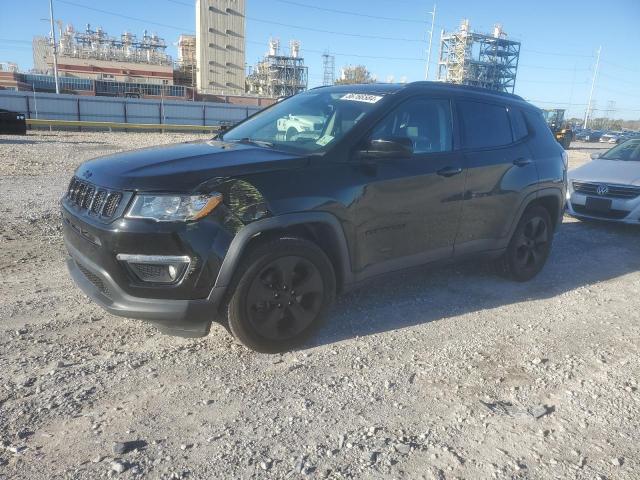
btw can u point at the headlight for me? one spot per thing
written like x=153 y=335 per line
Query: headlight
x=173 y=208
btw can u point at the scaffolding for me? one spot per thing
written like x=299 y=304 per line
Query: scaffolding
x=328 y=69
x=279 y=75
x=185 y=70
x=480 y=60
x=98 y=45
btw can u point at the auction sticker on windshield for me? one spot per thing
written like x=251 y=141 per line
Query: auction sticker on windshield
x=361 y=97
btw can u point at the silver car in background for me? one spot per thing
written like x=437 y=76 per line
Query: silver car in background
x=608 y=187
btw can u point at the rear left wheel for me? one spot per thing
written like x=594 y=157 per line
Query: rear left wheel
x=529 y=247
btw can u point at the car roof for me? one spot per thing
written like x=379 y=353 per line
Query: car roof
x=422 y=86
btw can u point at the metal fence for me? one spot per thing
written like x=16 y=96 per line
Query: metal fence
x=125 y=110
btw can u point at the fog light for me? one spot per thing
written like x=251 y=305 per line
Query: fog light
x=173 y=272
x=163 y=269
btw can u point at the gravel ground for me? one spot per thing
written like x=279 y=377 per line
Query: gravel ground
x=441 y=373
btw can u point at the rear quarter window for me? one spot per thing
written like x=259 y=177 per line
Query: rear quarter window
x=537 y=123
x=518 y=124
x=484 y=125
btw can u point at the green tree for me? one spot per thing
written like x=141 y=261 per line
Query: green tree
x=355 y=74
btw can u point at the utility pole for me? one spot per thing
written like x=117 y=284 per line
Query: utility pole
x=55 y=47
x=433 y=22
x=593 y=85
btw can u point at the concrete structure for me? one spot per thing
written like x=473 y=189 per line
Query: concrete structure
x=487 y=61
x=94 y=55
x=279 y=75
x=220 y=46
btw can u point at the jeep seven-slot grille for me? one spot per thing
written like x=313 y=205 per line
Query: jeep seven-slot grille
x=93 y=200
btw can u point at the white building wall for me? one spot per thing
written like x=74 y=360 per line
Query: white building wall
x=220 y=45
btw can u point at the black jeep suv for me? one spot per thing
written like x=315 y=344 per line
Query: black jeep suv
x=310 y=197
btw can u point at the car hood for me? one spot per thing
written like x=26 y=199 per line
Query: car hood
x=183 y=167
x=608 y=171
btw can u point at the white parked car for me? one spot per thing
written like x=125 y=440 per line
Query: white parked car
x=308 y=126
x=608 y=187
x=610 y=138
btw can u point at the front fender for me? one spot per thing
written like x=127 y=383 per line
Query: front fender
x=247 y=233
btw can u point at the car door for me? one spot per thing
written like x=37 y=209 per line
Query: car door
x=409 y=209
x=500 y=173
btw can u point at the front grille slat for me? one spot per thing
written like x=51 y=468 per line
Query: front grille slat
x=111 y=204
x=615 y=191
x=93 y=200
x=98 y=203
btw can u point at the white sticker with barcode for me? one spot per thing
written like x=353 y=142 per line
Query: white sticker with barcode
x=361 y=97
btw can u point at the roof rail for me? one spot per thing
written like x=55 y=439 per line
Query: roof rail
x=465 y=87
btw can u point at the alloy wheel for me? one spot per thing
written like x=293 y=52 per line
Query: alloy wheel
x=285 y=297
x=532 y=243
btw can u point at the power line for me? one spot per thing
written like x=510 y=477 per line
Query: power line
x=356 y=55
x=332 y=32
x=345 y=12
x=624 y=67
x=618 y=92
x=9 y=40
x=553 y=82
x=630 y=82
x=136 y=19
x=558 y=54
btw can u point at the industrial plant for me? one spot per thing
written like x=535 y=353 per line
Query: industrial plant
x=96 y=55
x=481 y=60
x=211 y=65
x=279 y=75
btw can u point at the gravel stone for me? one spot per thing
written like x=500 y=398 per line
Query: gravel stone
x=399 y=370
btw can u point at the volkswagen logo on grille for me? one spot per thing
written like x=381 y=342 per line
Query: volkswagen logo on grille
x=602 y=189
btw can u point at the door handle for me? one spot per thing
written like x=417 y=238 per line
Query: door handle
x=449 y=171
x=522 y=162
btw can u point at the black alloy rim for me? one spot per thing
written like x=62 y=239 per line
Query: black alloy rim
x=532 y=243
x=285 y=298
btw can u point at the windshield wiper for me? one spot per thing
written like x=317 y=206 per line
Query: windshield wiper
x=259 y=143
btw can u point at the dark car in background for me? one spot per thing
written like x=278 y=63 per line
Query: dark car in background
x=263 y=226
x=589 y=135
x=12 y=123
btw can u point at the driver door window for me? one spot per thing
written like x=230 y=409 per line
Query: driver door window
x=427 y=122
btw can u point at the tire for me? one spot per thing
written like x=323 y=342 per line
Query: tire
x=268 y=316
x=529 y=247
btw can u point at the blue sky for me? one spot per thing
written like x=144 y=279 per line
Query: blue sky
x=559 y=38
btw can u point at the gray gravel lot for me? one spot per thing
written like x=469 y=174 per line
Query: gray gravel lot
x=446 y=372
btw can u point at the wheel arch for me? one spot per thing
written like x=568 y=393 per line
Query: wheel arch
x=548 y=198
x=322 y=228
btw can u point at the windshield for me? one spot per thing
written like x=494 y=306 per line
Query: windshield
x=629 y=151
x=306 y=123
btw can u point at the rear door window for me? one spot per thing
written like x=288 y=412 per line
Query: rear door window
x=484 y=125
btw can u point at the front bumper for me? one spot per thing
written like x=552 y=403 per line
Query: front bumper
x=622 y=210
x=185 y=309
x=184 y=318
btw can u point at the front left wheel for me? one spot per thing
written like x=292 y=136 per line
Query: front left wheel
x=282 y=294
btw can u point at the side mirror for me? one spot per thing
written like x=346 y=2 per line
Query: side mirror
x=595 y=156
x=392 y=147
x=222 y=129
